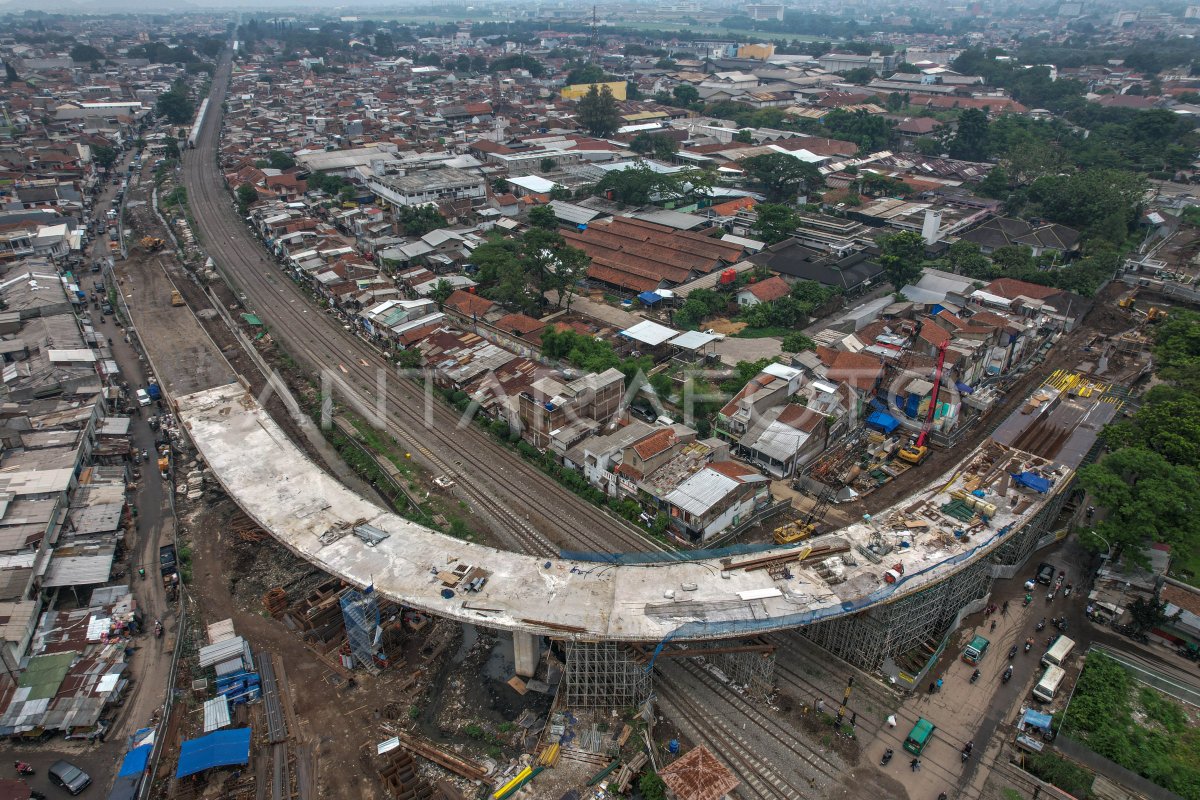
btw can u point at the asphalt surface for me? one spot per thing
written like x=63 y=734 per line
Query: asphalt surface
x=526 y=509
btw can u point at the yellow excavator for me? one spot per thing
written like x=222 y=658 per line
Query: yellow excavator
x=152 y=243
x=799 y=530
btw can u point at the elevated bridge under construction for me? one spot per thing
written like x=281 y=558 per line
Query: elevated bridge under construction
x=870 y=592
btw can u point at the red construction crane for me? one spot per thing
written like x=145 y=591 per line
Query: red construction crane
x=916 y=452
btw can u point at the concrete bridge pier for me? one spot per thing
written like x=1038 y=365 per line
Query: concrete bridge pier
x=527 y=649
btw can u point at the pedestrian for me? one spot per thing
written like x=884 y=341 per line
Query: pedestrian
x=915 y=764
x=993 y=625
x=854 y=719
x=820 y=706
x=1004 y=608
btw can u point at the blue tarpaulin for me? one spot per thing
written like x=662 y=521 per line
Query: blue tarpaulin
x=650 y=298
x=217 y=749
x=1033 y=481
x=135 y=761
x=882 y=422
x=1036 y=719
x=962 y=387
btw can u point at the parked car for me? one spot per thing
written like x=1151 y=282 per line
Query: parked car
x=68 y=776
x=1045 y=573
x=143 y=398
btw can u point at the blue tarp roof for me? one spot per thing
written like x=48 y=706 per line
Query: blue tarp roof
x=1033 y=481
x=1037 y=719
x=650 y=298
x=217 y=749
x=962 y=387
x=135 y=761
x=883 y=422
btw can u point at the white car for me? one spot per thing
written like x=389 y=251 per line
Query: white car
x=143 y=398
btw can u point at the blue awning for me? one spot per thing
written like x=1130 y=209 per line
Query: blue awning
x=962 y=387
x=881 y=421
x=135 y=761
x=217 y=749
x=1033 y=481
x=650 y=298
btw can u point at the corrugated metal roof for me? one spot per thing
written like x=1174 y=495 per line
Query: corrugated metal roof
x=701 y=492
x=221 y=651
x=220 y=631
x=216 y=714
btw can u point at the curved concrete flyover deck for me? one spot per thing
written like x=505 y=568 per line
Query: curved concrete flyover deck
x=314 y=516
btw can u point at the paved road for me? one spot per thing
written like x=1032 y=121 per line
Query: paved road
x=525 y=507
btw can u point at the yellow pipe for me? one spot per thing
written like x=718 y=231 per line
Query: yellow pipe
x=508 y=787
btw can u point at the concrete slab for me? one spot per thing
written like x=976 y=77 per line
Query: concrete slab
x=314 y=515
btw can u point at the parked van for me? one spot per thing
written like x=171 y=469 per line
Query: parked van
x=1058 y=652
x=1052 y=678
x=975 y=651
x=919 y=736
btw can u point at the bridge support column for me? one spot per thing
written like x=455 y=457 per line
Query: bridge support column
x=526 y=649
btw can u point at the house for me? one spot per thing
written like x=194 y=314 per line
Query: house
x=784 y=438
x=766 y=291
x=1043 y=238
x=716 y=497
x=852 y=273
x=549 y=407
x=467 y=306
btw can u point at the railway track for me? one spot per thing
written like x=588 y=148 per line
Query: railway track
x=686 y=673
x=524 y=507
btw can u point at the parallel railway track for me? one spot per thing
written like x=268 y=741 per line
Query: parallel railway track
x=526 y=509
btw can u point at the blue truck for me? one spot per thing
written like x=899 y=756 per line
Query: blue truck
x=153 y=390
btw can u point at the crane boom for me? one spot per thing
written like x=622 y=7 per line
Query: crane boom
x=937 y=383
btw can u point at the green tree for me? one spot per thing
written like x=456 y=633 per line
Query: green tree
x=995 y=185
x=597 y=112
x=685 y=95
x=543 y=217
x=797 y=342
x=419 y=220
x=441 y=292
x=871 y=132
x=1014 y=260
x=1104 y=203
x=862 y=75
x=246 y=196
x=639 y=185
x=277 y=159
x=85 y=52
x=963 y=257
x=650 y=785
x=903 y=255
x=104 y=156
x=547 y=165
x=744 y=136
x=970 y=141
x=171 y=147
x=774 y=222
x=782 y=176
x=175 y=105
x=657 y=145
x=587 y=73
x=1147 y=499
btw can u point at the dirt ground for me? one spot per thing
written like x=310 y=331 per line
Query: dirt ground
x=726 y=326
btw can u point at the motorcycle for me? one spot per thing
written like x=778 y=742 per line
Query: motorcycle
x=23 y=768
x=158 y=629
x=1061 y=624
x=1007 y=674
x=887 y=756
x=1067 y=591
x=974 y=676
x=1028 y=644
x=1012 y=652
x=966 y=751
x=1040 y=625
x=1028 y=599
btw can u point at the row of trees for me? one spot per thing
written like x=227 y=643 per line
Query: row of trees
x=1148 y=484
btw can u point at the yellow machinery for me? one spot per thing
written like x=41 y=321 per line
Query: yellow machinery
x=1156 y=314
x=798 y=530
x=913 y=453
x=152 y=243
x=176 y=298
x=1128 y=300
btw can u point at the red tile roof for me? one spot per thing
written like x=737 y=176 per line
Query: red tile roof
x=519 y=324
x=1011 y=288
x=467 y=304
x=860 y=370
x=771 y=289
x=655 y=443
x=933 y=333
